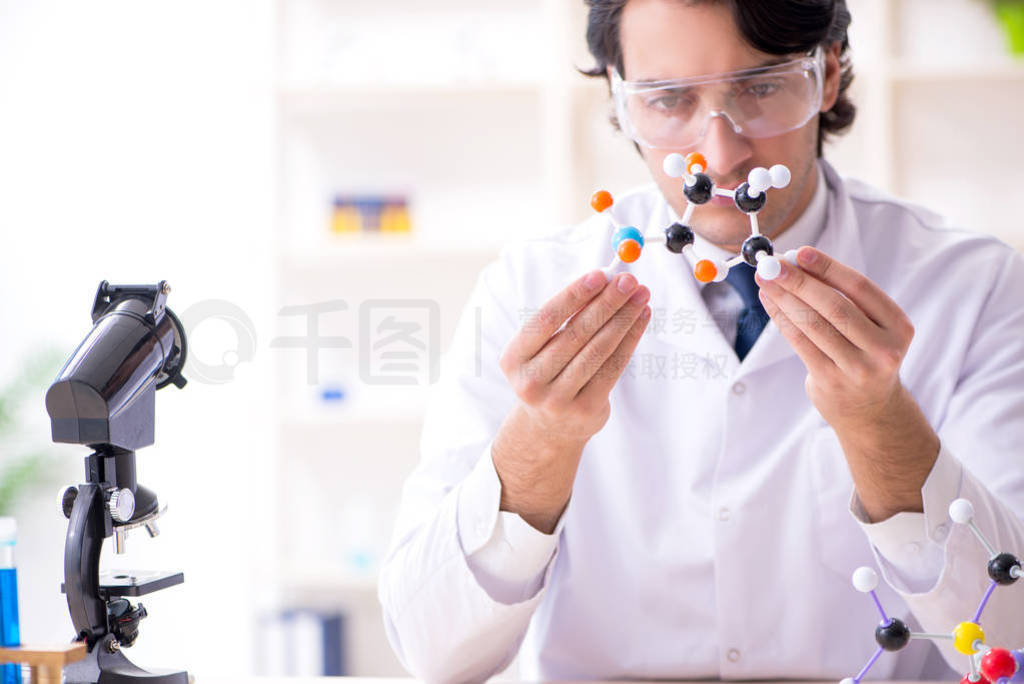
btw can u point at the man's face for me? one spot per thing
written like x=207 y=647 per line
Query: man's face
x=671 y=39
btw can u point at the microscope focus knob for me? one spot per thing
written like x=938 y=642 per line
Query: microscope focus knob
x=121 y=504
x=67 y=500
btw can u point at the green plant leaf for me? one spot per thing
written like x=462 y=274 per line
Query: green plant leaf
x=33 y=465
x=29 y=384
x=15 y=478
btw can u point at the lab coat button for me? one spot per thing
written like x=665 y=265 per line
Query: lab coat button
x=914 y=547
x=723 y=514
x=733 y=655
x=739 y=388
x=939 y=533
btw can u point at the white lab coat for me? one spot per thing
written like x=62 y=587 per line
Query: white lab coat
x=711 y=531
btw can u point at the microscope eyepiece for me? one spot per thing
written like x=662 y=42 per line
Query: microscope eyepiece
x=104 y=394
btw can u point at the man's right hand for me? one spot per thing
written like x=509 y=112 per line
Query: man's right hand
x=562 y=364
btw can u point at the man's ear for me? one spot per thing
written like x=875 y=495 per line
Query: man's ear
x=830 y=89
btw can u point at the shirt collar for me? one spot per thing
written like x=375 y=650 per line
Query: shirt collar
x=805 y=230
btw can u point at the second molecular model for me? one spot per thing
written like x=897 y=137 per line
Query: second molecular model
x=987 y=665
x=698 y=188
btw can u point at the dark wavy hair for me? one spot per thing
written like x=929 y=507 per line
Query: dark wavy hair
x=777 y=27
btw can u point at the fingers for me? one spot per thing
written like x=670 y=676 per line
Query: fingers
x=596 y=389
x=819 y=330
x=840 y=312
x=584 y=325
x=549 y=318
x=870 y=298
x=817 y=362
x=603 y=344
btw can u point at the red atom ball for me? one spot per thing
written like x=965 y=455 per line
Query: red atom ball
x=998 y=662
x=967 y=679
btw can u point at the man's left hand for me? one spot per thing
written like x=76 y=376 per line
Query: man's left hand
x=853 y=337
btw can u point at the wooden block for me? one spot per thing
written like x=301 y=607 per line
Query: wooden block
x=48 y=658
x=47 y=674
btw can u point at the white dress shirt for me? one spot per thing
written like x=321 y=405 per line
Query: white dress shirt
x=713 y=528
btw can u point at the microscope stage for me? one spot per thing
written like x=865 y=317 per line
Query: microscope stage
x=135 y=582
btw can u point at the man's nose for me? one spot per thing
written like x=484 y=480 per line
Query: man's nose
x=726 y=150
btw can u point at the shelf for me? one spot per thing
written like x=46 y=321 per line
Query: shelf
x=321 y=99
x=344 y=249
x=354 y=416
x=991 y=71
x=330 y=580
x=913 y=71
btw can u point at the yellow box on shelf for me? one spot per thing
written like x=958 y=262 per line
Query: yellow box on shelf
x=370 y=214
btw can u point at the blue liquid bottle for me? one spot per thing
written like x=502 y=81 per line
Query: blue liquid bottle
x=10 y=634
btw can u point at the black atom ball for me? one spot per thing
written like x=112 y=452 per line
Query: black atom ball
x=678 y=236
x=700 y=191
x=754 y=244
x=1000 y=568
x=747 y=203
x=892 y=636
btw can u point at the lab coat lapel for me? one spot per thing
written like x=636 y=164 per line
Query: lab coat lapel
x=839 y=239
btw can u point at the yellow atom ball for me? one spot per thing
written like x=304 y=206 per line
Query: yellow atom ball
x=964 y=636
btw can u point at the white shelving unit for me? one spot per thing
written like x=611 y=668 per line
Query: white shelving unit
x=938 y=101
x=475 y=111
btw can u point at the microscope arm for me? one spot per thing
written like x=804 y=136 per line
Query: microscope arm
x=87 y=529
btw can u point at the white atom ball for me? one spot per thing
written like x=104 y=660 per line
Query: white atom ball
x=769 y=268
x=674 y=165
x=759 y=180
x=780 y=176
x=790 y=256
x=961 y=511
x=848 y=680
x=865 y=579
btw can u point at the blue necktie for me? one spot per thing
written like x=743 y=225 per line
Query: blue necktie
x=753 y=317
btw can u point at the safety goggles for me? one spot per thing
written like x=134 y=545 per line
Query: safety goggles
x=756 y=103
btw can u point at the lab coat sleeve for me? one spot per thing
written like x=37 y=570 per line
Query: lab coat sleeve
x=913 y=561
x=511 y=564
x=443 y=625
x=937 y=566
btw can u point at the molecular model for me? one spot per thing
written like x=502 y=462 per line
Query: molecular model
x=698 y=188
x=988 y=665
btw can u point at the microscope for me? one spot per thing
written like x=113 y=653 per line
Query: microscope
x=104 y=398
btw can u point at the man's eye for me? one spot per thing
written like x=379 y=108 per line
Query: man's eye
x=761 y=90
x=669 y=103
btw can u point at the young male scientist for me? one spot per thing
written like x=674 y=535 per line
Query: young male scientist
x=660 y=488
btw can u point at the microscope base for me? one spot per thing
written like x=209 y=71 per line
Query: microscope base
x=103 y=667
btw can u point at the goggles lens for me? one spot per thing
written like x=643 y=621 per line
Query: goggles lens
x=757 y=103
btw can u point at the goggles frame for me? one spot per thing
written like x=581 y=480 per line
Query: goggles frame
x=813 y=61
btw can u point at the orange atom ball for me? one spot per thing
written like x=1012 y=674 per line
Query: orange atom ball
x=629 y=251
x=696 y=158
x=601 y=200
x=705 y=270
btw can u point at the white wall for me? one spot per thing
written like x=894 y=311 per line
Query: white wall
x=136 y=145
